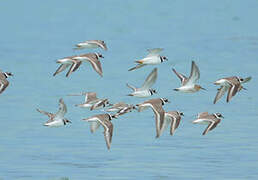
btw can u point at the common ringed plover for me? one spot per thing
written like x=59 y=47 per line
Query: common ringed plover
x=57 y=119
x=152 y=58
x=211 y=119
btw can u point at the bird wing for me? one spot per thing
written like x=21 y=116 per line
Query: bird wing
x=220 y=93
x=195 y=74
x=44 y=112
x=99 y=103
x=61 y=68
x=233 y=89
x=202 y=115
x=90 y=96
x=100 y=43
x=96 y=65
x=182 y=77
x=108 y=132
x=154 y=52
x=159 y=117
x=62 y=108
x=74 y=67
x=131 y=87
x=211 y=126
x=137 y=67
x=151 y=79
x=3 y=84
x=94 y=126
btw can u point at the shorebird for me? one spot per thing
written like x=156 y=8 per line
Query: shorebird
x=3 y=80
x=211 y=119
x=125 y=110
x=145 y=90
x=91 y=101
x=173 y=119
x=93 y=58
x=188 y=85
x=152 y=58
x=75 y=61
x=91 y=44
x=230 y=84
x=57 y=119
x=105 y=121
x=156 y=106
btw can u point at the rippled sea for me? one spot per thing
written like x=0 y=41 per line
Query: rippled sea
x=221 y=36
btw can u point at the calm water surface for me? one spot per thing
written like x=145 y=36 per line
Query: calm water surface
x=221 y=36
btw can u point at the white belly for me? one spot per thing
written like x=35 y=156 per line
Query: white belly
x=151 y=60
x=55 y=124
x=87 y=45
x=187 y=89
x=145 y=93
x=222 y=82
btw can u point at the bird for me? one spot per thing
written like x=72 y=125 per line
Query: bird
x=145 y=90
x=65 y=63
x=93 y=58
x=91 y=100
x=156 y=106
x=173 y=119
x=211 y=119
x=75 y=61
x=117 y=106
x=125 y=110
x=91 y=44
x=152 y=58
x=3 y=80
x=231 y=84
x=57 y=119
x=188 y=85
x=105 y=121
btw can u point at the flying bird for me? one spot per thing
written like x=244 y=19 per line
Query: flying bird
x=211 y=119
x=173 y=119
x=91 y=44
x=156 y=106
x=152 y=58
x=91 y=101
x=105 y=121
x=230 y=84
x=57 y=119
x=188 y=85
x=3 y=80
x=145 y=90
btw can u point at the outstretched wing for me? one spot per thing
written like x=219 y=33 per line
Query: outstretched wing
x=233 y=89
x=137 y=67
x=182 y=77
x=62 y=108
x=220 y=93
x=195 y=74
x=211 y=126
x=154 y=52
x=151 y=79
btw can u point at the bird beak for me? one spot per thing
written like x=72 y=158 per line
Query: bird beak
x=69 y=121
x=244 y=88
x=203 y=88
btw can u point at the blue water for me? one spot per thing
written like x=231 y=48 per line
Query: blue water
x=221 y=36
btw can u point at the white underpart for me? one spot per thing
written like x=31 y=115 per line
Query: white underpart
x=151 y=60
x=202 y=121
x=141 y=93
x=56 y=123
x=189 y=88
x=222 y=82
x=87 y=45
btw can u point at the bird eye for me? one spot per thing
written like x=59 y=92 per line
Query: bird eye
x=241 y=79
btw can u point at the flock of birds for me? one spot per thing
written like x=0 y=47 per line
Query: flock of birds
x=163 y=119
